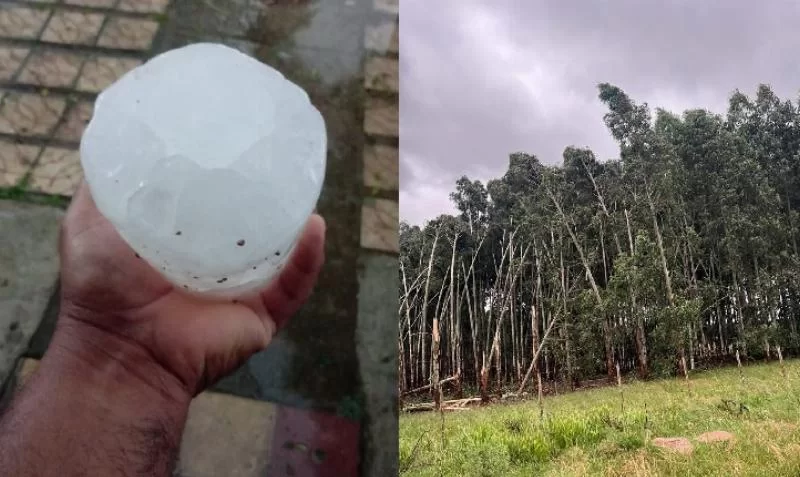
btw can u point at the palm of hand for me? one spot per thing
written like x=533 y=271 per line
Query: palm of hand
x=104 y=284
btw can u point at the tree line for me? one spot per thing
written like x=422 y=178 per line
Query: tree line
x=682 y=253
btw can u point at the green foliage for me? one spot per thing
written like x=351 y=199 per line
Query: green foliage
x=575 y=430
x=630 y=441
x=533 y=448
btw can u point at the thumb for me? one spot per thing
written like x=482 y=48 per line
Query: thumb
x=208 y=342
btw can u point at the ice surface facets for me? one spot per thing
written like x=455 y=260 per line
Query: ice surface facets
x=208 y=163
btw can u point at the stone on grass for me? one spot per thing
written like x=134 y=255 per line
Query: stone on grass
x=208 y=163
x=681 y=445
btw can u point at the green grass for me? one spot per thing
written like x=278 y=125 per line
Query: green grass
x=588 y=432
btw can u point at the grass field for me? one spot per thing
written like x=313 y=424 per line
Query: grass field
x=600 y=432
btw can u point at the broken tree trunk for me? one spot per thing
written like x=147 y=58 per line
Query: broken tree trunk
x=435 y=330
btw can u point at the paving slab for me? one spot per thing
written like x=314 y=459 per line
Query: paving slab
x=383 y=38
x=376 y=342
x=381 y=167
x=15 y=161
x=242 y=432
x=30 y=114
x=379 y=225
x=10 y=60
x=28 y=274
x=381 y=117
x=58 y=172
x=382 y=74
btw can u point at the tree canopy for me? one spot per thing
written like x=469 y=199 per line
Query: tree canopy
x=680 y=254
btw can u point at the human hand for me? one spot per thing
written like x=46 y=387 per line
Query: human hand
x=116 y=307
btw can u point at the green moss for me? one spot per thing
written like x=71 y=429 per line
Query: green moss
x=351 y=408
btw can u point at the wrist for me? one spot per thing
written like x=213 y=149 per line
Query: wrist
x=97 y=402
x=109 y=367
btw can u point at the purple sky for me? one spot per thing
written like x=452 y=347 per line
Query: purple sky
x=483 y=78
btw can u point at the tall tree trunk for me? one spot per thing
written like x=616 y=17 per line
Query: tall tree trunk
x=662 y=253
x=473 y=326
x=453 y=311
x=738 y=297
x=667 y=278
x=564 y=311
x=535 y=358
x=408 y=328
x=497 y=288
x=535 y=303
x=459 y=343
x=435 y=330
x=497 y=349
x=603 y=256
x=407 y=316
x=511 y=280
x=423 y=349
x=438 y=312
x=565 y=337
x=640 y=336
x=436 y=342
x=516 y=331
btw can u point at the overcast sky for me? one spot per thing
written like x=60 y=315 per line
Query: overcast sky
x=483 y=78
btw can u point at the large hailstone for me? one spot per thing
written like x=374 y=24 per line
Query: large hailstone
x=208 y=163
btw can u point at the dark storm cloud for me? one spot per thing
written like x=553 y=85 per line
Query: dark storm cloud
x=481 y=79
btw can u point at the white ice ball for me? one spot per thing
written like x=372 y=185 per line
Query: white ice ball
x=208 y=163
